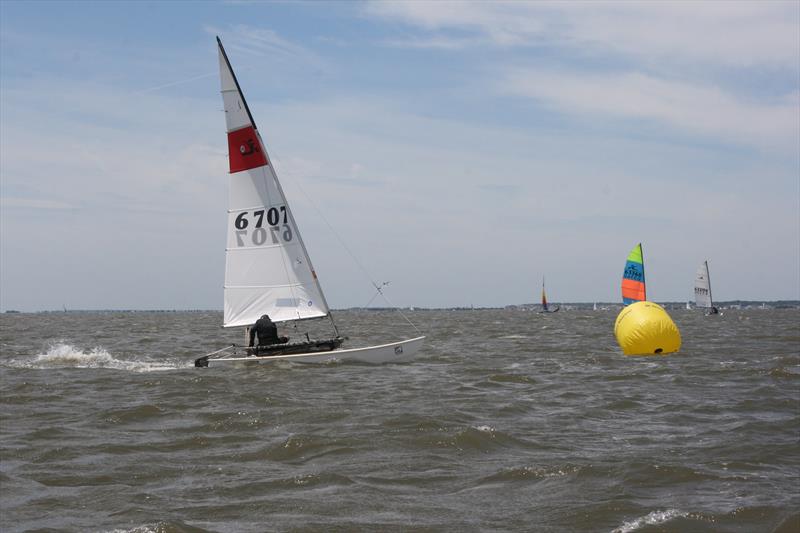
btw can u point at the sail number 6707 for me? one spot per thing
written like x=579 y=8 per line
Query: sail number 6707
x=258 y=234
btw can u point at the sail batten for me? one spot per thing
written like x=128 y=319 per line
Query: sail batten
x=267 y=267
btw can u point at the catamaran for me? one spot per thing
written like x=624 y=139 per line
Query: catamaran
x=267 y=267
x=545 y=307
x=702 y=290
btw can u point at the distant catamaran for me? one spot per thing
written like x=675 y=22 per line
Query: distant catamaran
x=702 y=290
x=267 y=267
x=545 y=307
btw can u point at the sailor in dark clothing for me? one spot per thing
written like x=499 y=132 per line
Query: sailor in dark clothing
x=267 y=332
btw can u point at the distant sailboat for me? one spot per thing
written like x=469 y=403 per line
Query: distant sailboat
x=633 y=287
x=267 y=267
x=545 y=307
x=702 y=290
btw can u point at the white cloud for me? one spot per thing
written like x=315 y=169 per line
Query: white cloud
x=11 y=202
x=702 y=110
x=668 y=63
x=728 y=33
x=242 y=39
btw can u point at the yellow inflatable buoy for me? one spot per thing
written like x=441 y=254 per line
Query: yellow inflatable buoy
x=644 y=328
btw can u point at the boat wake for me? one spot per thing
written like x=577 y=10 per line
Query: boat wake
x=63 y=355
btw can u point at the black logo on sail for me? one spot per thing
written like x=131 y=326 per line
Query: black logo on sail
x=249 y=147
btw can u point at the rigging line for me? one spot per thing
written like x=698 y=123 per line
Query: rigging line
x=401 y=312
x=341 y=241
x=379 y=290
x=325 y=220
x=274 y=173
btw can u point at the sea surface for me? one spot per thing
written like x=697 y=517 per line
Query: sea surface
x=506 y=421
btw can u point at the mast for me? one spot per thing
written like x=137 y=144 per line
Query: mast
x=708 y=279
x=644 y=285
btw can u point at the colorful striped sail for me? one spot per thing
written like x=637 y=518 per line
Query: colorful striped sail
x=633 y=288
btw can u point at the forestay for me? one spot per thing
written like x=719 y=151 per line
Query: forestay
x=267 y=268
x=702 y=287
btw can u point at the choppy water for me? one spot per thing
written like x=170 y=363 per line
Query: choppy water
x=507 y=421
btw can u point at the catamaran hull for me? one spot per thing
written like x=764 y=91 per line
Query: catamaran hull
x=396 y=352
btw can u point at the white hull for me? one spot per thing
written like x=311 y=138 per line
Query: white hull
x=395 y=352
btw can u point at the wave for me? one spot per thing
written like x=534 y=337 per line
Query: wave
x=511 y=378
x=528 y=473
x=652 y=519
x=301 y=448
x=170 y=526
x=62 y=355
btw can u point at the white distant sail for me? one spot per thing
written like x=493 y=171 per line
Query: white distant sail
x=702 y=287
x=267 y=268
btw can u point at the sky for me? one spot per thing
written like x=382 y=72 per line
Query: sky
x=460 y=151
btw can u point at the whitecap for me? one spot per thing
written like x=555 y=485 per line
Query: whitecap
x=654 y=518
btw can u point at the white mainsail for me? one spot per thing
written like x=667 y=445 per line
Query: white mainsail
x=702 y=287
x=267 y=268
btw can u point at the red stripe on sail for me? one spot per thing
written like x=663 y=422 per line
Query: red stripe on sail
x=633 y=289
x=244 y=150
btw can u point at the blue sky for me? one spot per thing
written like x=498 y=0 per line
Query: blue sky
x=461 y=150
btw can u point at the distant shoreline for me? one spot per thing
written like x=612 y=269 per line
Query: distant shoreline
x=567 y=306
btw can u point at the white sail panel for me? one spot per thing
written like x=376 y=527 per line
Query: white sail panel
x=267 y=270
x=236 y=114
x=702 y=287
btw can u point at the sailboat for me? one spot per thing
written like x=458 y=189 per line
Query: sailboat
x=633 y=287
x=545 y=307
x=267 y=267
x=702 y=290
